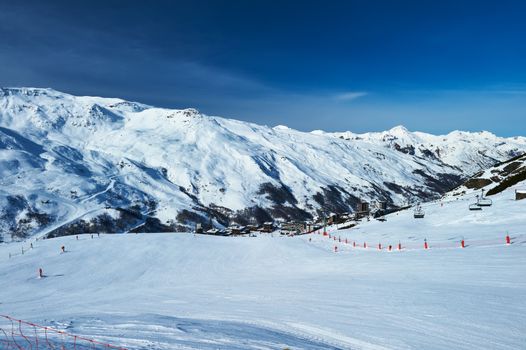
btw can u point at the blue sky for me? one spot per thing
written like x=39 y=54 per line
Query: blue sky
x=433 y=66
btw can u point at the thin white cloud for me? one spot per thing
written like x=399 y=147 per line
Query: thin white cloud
x=351 y=95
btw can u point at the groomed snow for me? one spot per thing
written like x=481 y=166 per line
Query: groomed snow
x=184 y=291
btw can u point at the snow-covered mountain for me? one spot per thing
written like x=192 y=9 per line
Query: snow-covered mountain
x=76 y=164
x=495 y=179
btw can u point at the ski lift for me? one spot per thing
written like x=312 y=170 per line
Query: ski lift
x=483 y=201
x=419 y=212
x=475 y=206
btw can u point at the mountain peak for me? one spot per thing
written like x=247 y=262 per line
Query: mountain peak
x=399 y=129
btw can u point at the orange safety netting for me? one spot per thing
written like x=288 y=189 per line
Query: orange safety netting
x=22 y=335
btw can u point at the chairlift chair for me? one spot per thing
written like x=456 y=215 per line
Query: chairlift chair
x=419 y=212
x=484 y=202
x=475 y=206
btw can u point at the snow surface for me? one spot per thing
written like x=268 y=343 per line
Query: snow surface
x=452 y=148
x=184 y=291
x=494 y=176
x=81 y=154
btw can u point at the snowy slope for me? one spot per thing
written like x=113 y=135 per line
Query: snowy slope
x=495 y=179
x=180 y=291
x=471 y=152
x=83 y=164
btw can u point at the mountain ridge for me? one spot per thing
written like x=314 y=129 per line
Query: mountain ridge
x=120 y=165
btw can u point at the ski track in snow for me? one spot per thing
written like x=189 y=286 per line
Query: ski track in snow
x=184 y=291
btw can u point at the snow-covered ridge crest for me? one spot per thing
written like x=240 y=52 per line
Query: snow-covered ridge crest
x=456 y=148
x=64 y=158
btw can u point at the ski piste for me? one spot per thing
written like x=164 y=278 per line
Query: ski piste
x=272 y=291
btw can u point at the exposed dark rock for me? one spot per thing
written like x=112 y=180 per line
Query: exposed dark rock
x=510 y=168
x=407 y=149
x=289 y=213
x=443 y=183
x=428 y=154
x=20 y=219
x=188 y=218
x=253 y=215
x=334 y=199
x=519 y=176
x=395 y=187
x=477 y=183
x=278 y=195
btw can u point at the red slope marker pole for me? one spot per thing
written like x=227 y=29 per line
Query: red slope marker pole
x=399 y=246
x=462 y=244
x=365 y=244
x=508 y=239
x=425 y=244
x=379 y=246
x=354 y=244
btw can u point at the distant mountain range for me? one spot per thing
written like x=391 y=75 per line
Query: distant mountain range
x=83 y=164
